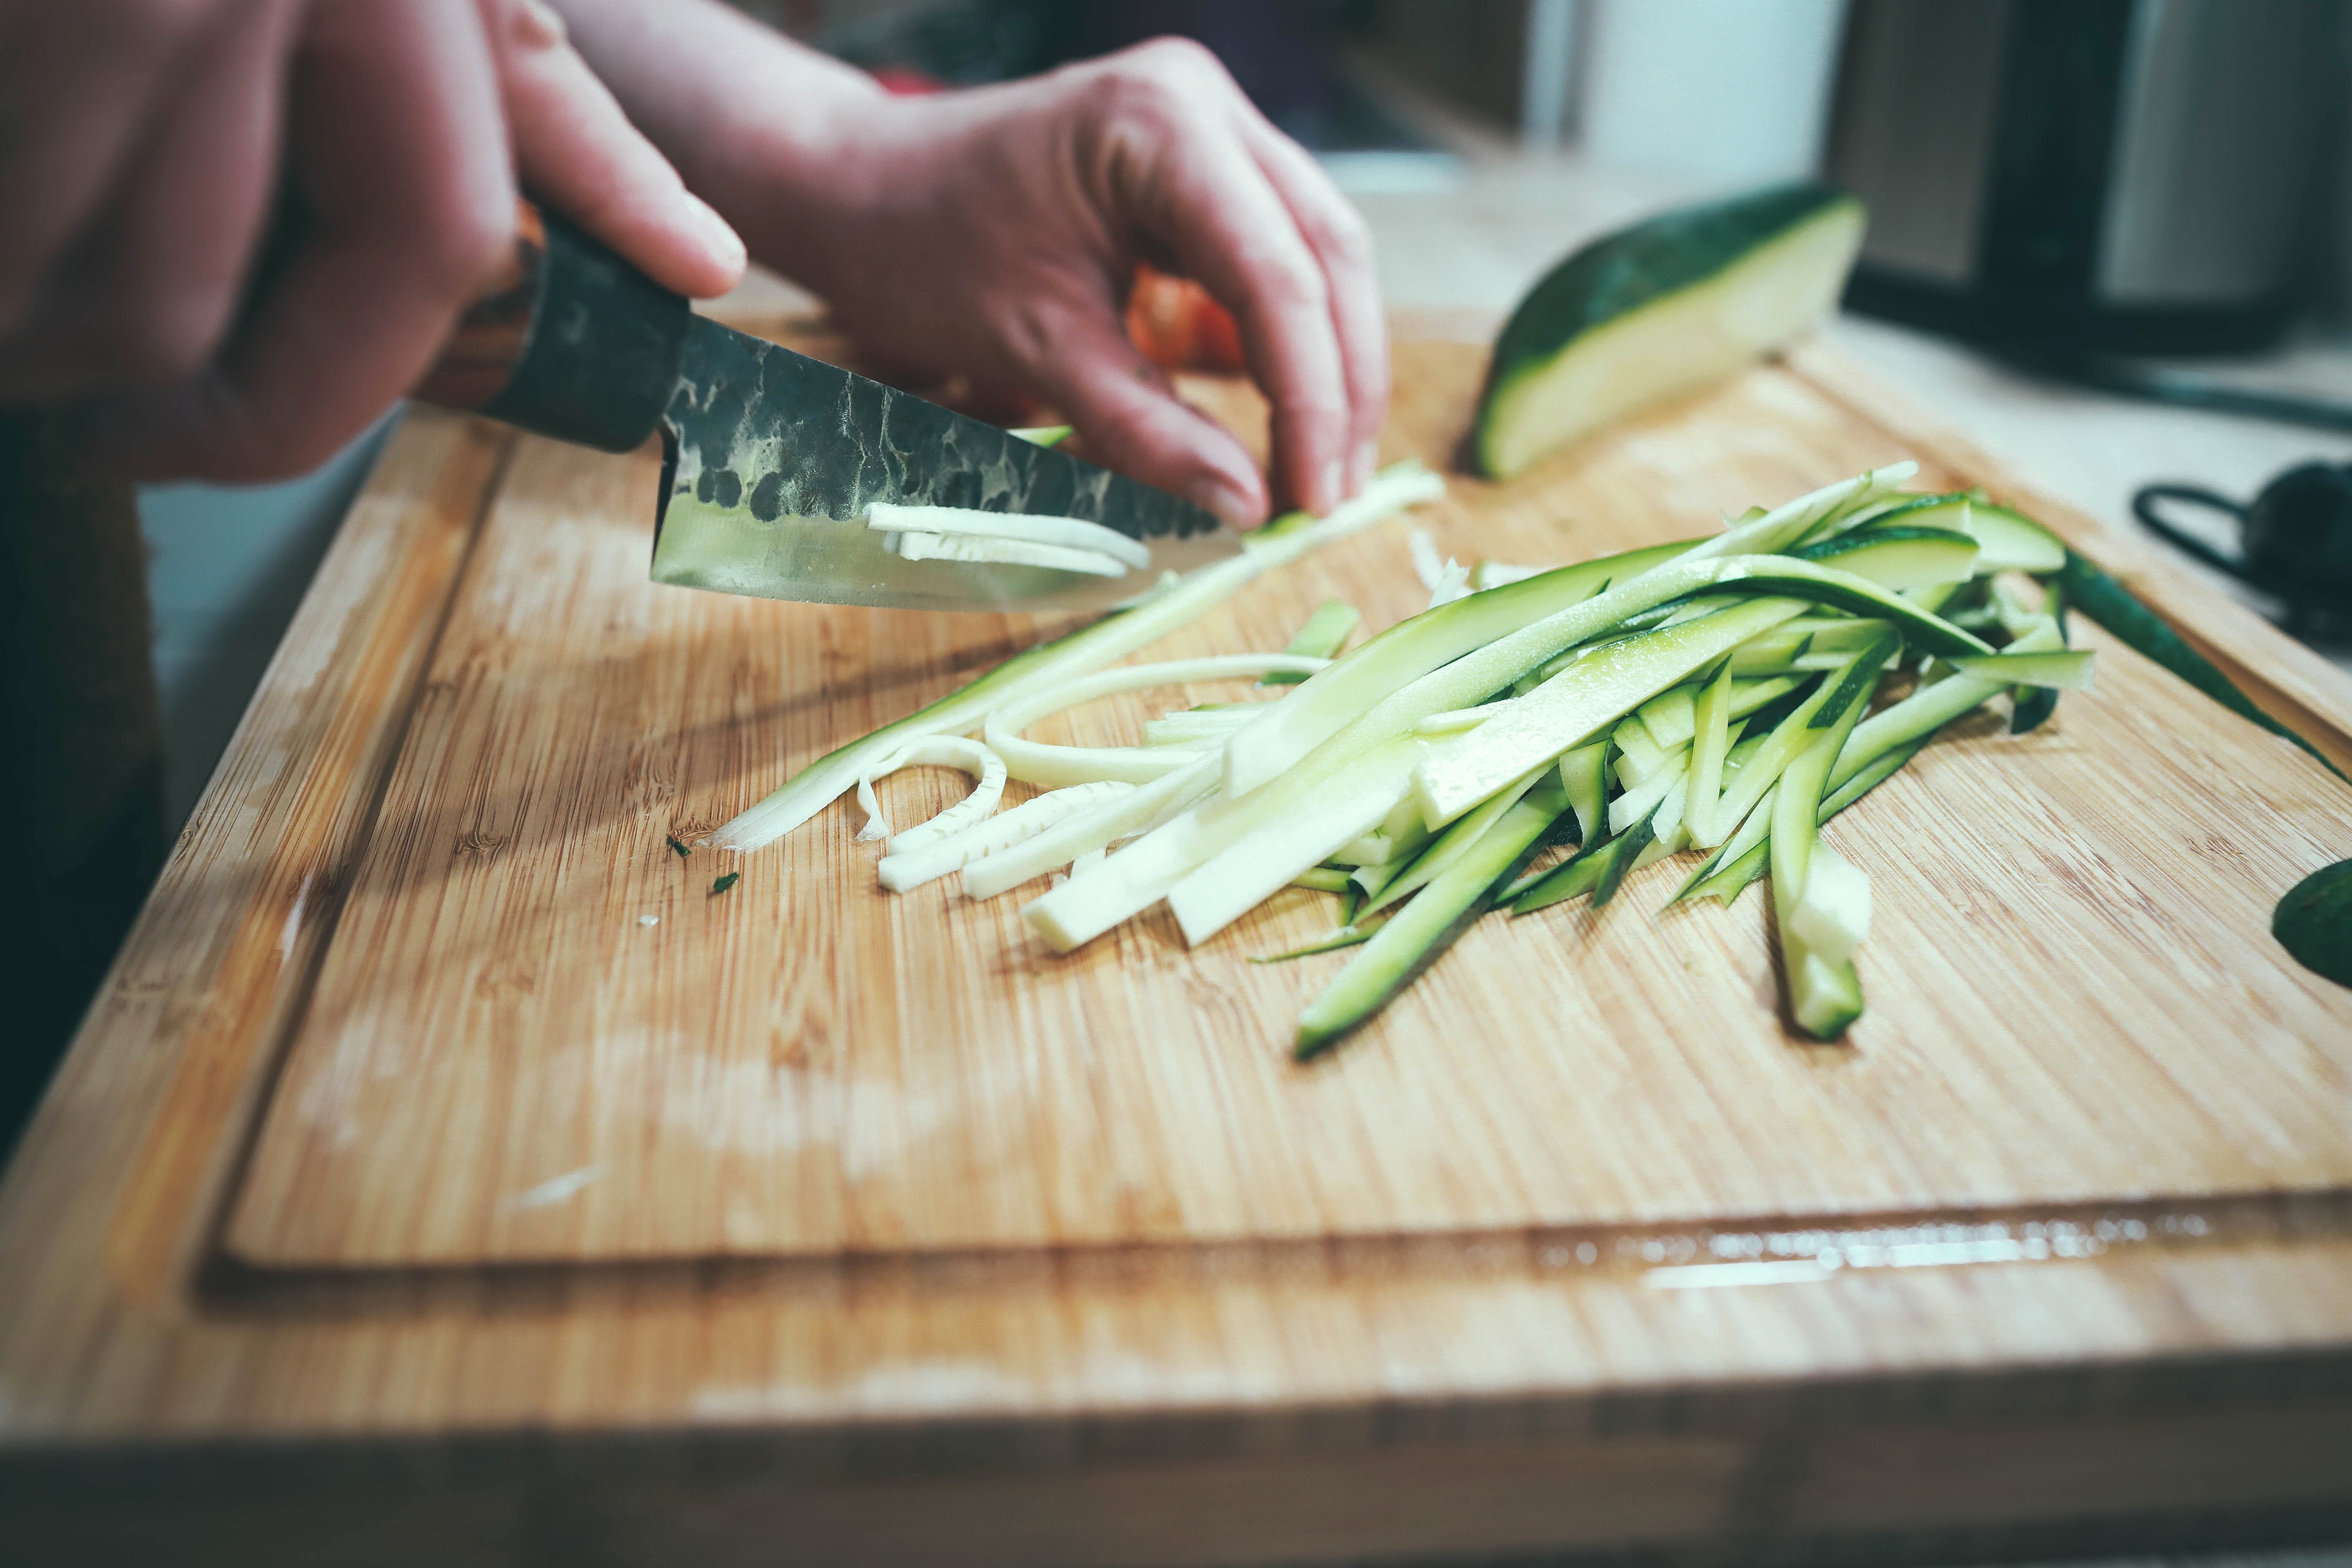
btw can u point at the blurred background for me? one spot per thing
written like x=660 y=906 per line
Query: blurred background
x=2094 y=223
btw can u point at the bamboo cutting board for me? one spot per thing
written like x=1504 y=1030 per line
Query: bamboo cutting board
x=536 y=1037
x=406 y=1198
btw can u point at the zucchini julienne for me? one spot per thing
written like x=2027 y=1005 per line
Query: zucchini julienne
x=1714 y=694
x=1660 y=309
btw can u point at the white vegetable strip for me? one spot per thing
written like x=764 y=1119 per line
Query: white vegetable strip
x=1140 y=811
x=1189 y=598
x=1074 y=533
x=1427 y=564
x=1184 y=728
x=938 y=750
x=1259 y=862
x=1453 y=583
x=1009 y=551
x=1039 y=763
x=902 y=869
x=1449 y=849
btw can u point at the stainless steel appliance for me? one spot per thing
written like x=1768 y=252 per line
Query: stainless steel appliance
x=2135 y=175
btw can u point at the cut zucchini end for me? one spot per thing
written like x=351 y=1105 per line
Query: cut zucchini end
x=1661 y=309
x=1825 y=998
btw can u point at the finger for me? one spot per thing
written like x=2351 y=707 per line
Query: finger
x=400 y=154
x=1337 y=234
x=1228 y=228
x=79 y=84
x=153 y=285
x=1078 y=360
x=576 y=149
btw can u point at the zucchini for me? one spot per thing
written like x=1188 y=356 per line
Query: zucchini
x=1663 y=308
x=1325 y=632
x=2114 y=606
x=1412 y=648
x=1899 y=558
x=1824 y=993
x=1416 y=934
x=1566 y=710
x=2314 y=922
x=2065 y=670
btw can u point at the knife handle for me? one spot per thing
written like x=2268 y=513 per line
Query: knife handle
x=570 y=341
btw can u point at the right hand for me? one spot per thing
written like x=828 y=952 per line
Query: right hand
x=142 y=148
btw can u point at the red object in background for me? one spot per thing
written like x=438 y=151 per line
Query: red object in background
x=906 y=81
x=1174 y=324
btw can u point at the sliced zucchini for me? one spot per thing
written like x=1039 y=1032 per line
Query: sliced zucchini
x=1324 y=635
x=1660 y=309
x=1414 y=938
x=2067 y=670
x=1899 y=558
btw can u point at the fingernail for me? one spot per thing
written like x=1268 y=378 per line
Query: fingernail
x=1328 y=495
x=716 y=232
x=1368 y=457
x=1222 y=499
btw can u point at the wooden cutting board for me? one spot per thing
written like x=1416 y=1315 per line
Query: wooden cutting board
x=813 y=1221
x=533 y=1000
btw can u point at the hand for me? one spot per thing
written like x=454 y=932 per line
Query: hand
x=142 y=145
x=994 y=232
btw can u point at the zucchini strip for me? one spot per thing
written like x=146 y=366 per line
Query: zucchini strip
x=1413 y=648
x=1711 y=743
x=904 y=868
x=1416 y=935
x=1063 y=532
x=1823 y=991
x=1567 y=709
x=1325 y=632
x=1076 y=652
x=981 y=762
x=1052 y=766
x=2140 y=628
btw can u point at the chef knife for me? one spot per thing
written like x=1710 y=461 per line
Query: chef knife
x=770 y=457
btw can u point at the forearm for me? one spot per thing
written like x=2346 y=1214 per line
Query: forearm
x=758 y=124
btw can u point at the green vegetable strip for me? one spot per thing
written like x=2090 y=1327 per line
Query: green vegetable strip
x=2112 y=606
x=1458 y=841
x=1712 y=722
x=1568 y=709
x=1348 y=935
x=1317 y=878
x=1413 y=648
x=1414 y=938
x=1583 y=773
x=1325 y=632
x=1824 y=994
x=2031 y=706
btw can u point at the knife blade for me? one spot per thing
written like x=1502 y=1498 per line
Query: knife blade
x=770 y=456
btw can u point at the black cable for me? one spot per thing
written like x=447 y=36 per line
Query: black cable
x=2180 y=388
x=2144 y=507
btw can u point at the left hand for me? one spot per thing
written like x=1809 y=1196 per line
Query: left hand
x=994 y=231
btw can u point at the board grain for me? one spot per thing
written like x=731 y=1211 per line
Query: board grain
x=532 y=998
x=371 y=1219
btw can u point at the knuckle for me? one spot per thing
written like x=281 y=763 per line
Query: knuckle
x=1347 y=239
x=459 y=245
x=1168 y=78
x=1291 y=285
x=157 y=337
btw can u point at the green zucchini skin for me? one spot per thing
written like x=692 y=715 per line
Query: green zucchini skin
x=2314 y=922
x=1619 y=277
